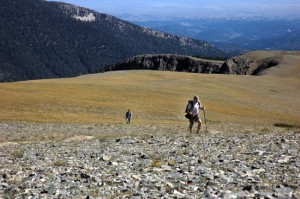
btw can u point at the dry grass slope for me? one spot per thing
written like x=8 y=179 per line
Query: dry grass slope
x=157 y=97
x=289 y=68
x=288 y=62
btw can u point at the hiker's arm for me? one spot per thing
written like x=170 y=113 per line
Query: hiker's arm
x=189 y=108
x=200 y=106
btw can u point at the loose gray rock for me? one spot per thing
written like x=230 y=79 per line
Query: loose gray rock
x=221 y=165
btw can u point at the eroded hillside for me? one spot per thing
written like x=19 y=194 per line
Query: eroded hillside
x=265 y=62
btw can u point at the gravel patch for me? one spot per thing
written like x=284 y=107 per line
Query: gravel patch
x=152 y=165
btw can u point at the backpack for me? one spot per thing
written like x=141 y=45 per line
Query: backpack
x=192 y=106
x=128 y=114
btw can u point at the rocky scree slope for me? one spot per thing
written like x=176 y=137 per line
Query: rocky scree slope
x=158 y=165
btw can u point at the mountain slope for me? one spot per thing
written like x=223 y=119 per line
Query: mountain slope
x=41 y=39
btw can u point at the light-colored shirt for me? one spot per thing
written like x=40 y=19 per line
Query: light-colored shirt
x=195 y=109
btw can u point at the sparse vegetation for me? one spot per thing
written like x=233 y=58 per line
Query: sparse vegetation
x=157 y=163
x=18 y=153
x=284 y=125
x=59 y=163
x=172 y=162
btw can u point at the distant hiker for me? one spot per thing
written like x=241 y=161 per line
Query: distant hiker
x=192 y=110
x=128 y=116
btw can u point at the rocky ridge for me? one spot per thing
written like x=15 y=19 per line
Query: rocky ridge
x=169 y=62
x=155 y=164
x=251 y=63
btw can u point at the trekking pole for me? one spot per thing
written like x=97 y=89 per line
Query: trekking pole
x=205 y=119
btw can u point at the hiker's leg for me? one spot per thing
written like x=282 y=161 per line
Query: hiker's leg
x=191 y=125
x=199 y=125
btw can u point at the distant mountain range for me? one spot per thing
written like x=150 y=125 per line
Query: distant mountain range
x=41 y=39
x=236 y=35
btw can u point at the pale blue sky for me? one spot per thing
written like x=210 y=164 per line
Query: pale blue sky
x=195 y=8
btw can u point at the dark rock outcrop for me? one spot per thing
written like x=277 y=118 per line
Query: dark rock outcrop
x=169 y=62
x=251 y=63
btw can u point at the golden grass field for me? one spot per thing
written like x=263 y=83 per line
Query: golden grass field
x=157 y=97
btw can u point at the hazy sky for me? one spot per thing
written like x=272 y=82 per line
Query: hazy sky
x=195 y=8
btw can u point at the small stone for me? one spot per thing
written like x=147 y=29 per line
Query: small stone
x=268 y=195
x=144 y=157
x=106 y=158
x=259 y=152
x=137 y=177
x=6 y=176
x=85 y=176
x=285 y=160
x=179 y=194
x=209 y=176
x=284 y=192
x=297 y=194
x=169 y=184
x=283 y=140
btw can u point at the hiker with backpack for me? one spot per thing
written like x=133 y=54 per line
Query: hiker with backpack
x=192 y=112
x=128 y=116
